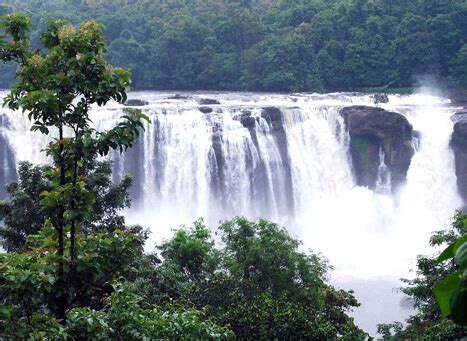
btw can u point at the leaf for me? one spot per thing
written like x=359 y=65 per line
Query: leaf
x=446 y=254
x=461 y=255
x=459 y=303
x=450 y=251
x=444 y=292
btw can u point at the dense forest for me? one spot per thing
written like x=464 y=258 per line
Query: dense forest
x=266 y=45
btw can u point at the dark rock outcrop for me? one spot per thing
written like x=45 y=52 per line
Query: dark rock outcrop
x=135 y=103
x=459 y=146
x=208 y=101
x=217 y=160
x=371 y=129
x=273 y=116
x=205 y=110
x=247 y=120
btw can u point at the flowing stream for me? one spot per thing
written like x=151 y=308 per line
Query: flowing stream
x=292 y=167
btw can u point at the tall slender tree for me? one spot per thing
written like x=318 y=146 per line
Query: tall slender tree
x=56 y=87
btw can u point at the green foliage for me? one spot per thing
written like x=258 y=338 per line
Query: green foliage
x=191 y=251
x=85 y=323
x=29 y=280
x=428 y=322
x=22 y=213
x=131 y=318
x=258 y=282
x=125 y=316
x=451 y=292
x=391 y=331
x=15 y=25
x=272 y=45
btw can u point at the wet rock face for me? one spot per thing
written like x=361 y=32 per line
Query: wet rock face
x=459 y=146
x=364 y=150
x=217 y=159
x=372 y=129
x=274 y=117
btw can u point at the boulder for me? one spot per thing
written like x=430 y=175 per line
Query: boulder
x=372 y=129
x=208 y=101
x=205 y=110
x=247 y=120
x=135 y=103
x=459 y=146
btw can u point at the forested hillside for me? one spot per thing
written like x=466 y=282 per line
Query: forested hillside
x=267 y=45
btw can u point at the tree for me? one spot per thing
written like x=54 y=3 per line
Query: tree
x=285 y=64
x=56 y=89
x=132 y=318
x=22 y=214
x=258 y=283
x=30 y=280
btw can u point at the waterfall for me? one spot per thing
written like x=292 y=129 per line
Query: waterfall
x=430 y=196
x=290 y=164
x=383 y=181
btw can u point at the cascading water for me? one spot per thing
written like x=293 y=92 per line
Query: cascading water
x=383 y=181
x=286 y=158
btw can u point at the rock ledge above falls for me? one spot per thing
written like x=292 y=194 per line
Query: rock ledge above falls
x=372 y=128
